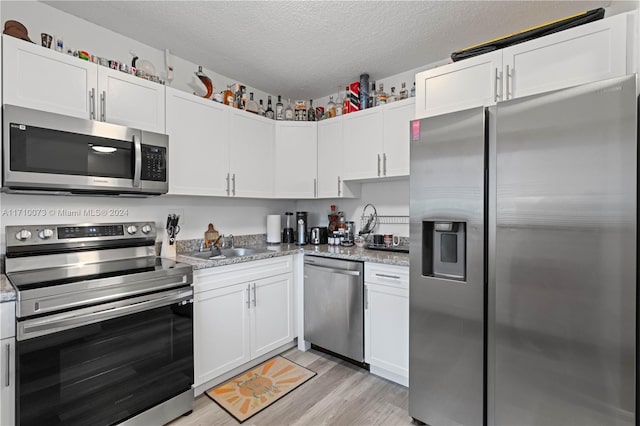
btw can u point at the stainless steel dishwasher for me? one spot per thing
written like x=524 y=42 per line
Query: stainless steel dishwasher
x=334 y=305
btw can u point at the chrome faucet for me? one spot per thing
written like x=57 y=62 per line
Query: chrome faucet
x=227 y=241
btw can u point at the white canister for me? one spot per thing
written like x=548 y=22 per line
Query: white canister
x=273 y=229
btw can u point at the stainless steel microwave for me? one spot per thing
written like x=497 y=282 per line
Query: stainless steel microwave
x=58 y=154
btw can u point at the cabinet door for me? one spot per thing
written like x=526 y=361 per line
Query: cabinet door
x=576 y=56
x=131 y=101
x=295 y=160
x=272 y=315
x=363 y=144
x=198 y=132
x=43 y=79
x=330 y=158
x=251 y=155
x=387 y=341
x=8 y=381
x=465 y=84
x=397 y=116
x=221 y=331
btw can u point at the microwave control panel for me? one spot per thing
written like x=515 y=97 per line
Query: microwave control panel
x=154 y=163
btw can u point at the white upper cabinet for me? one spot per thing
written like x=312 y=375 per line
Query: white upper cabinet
x=251 y=161
x=43 y=79
x=198 y=132
x=397 y=117
x=47 y=80
x=591 y=52
x=465 y=84
x=131 y=101
x=295 y=159
x=584 y=54
x=330 y=158
x=363 y=145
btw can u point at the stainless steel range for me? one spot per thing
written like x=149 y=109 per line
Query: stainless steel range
x=104 y=326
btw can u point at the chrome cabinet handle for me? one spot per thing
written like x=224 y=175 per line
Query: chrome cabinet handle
x=384 y=164
x=339 y=186
x=254 y=294
x=233 y=180
x=92 y=104
x=7 y=380
x=495 y=86
x=248 y=296
x=103 y=106
x=228 y=182
x=506 y=82
x=378 y=165
x=315 y=188
x=393 y=277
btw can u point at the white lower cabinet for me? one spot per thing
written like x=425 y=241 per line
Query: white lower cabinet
x=7 y=363
x=386 y=342
x=241 y=312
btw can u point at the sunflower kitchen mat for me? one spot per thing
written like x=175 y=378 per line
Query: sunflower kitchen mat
x=250 y=392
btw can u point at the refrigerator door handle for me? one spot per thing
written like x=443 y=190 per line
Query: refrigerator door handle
x=496 y=78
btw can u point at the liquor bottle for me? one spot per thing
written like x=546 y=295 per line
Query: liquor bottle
x=331 y=108
x=269 y=113
x=381 y=97
x=311 y=113
x=261 y=110
x=392 y=96
x=206 y=81
x=279 y=109
x=413 y=90
x=373 y=96
x=251 y=105
x=228 y=96
x=404 y=93
x=288 y=112
x=345 y=102
x=340 y=103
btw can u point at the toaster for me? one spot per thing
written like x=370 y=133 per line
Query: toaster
x=319 y=235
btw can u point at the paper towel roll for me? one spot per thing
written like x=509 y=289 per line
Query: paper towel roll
x=273 y=228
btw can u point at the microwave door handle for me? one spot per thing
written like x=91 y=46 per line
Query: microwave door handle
x=137 y=171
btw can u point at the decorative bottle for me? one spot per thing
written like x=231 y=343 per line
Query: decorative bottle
x=311 y=113
x=288 y=112
x=279 y=109
x=404 y=93
x=269 y=113
x=206 y=81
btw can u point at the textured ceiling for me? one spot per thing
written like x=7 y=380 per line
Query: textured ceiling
x=307 y=48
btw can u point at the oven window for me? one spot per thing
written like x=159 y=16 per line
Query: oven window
x=104 y=373
x=34 y=149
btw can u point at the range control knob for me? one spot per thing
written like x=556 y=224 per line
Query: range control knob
x=132 y=229
x=23 y=235
x=146 y=229
x=45 y=234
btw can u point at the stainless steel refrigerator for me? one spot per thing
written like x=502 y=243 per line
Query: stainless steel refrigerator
x=523 y=261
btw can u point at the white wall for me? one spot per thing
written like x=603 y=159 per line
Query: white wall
x=390 y=198
x=79 y=34
x=229 y=215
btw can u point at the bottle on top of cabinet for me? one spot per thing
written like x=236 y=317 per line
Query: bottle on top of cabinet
x=228 y=96
x=279 y=109
x=413 y=90
x=311 y=113
x=261 y=109
x=345 y=101
x=339 y=104
x=251 y=105
x=381 y=97
x=269 y=113
x=300 y=113
x=392 y=96
x=331 y=108
x=404 y=93
x=288 y=111
x=373 y=95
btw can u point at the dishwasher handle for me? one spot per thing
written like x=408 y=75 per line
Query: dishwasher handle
x=333 y=270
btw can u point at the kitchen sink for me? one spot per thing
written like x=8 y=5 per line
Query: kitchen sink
x=226 y=252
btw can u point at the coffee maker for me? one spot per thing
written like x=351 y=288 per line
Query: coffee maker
x=301 y=223
x=287 y=232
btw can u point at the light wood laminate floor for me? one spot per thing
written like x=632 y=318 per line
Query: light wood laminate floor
x=340 y=394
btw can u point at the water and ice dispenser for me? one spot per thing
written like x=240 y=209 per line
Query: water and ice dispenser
x=444 y=247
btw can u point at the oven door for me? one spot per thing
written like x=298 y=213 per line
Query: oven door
x=103 y=364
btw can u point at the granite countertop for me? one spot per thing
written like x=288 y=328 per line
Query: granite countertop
x=323 y=250
x=7 y=293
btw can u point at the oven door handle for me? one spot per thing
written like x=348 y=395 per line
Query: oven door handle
x=37 y=327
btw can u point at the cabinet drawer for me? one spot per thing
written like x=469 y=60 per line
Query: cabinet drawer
x=7 y=319
x=222 y=276
x=389 y=275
